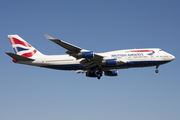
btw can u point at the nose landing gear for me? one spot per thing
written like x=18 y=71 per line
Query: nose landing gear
x=157 y=69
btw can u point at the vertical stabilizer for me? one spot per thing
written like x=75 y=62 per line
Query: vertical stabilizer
x=22 y=48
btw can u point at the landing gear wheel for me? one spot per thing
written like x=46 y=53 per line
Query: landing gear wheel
x=157 y=71
x=99 y=74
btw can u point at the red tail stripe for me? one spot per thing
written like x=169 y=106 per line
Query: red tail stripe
x=142 y=51
x=30 y=54
x=16 y=41
x=28 y=45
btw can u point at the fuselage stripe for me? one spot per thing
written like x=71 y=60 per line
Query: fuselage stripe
x=142 y=50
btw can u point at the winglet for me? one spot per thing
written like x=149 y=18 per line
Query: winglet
x=49 y=37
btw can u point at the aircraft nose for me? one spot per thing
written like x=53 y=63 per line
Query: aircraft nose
x=169 y=57
x=173 y=57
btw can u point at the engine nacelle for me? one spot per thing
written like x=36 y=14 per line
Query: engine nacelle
x=91 y=74
x=109 y=62
x=86 y=54
x=111 y=73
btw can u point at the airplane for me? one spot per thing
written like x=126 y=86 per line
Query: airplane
x=87 y=61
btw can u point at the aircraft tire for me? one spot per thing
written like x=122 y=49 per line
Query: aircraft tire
x=157 y=71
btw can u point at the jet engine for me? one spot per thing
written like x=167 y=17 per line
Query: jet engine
x=110 y=62
x=111 y=73
x=86 y=54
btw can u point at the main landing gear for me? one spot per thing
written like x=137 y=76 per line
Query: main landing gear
x=157 y=69
x=99 y=74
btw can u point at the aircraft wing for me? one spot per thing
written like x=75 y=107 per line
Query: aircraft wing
x=63 y=44
x=74 y=51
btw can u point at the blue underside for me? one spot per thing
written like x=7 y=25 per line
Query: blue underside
x=127 y=65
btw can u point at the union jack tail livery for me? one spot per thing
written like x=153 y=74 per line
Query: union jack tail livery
x=22 y=48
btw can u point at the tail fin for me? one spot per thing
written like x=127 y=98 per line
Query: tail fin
x=22 y=48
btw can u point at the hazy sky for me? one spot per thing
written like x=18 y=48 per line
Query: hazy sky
x=33 y=93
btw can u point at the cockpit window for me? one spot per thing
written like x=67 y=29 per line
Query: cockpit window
x=160 y=50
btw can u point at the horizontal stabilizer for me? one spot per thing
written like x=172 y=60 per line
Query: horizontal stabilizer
x=18 y=57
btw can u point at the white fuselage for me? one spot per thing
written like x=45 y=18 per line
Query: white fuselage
x=131 y=57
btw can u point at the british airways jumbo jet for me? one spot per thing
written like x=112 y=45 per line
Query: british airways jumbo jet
x=86 y=61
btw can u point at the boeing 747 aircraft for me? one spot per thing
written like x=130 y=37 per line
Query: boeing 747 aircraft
x=87 y=61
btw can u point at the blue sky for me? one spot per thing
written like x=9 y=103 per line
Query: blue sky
x=28 y=92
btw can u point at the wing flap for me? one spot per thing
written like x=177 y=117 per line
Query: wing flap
x=90 y=63
x=120 y=62
x=98 y=57
x=80 y=71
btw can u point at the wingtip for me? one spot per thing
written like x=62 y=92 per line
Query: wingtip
x=48 y=37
